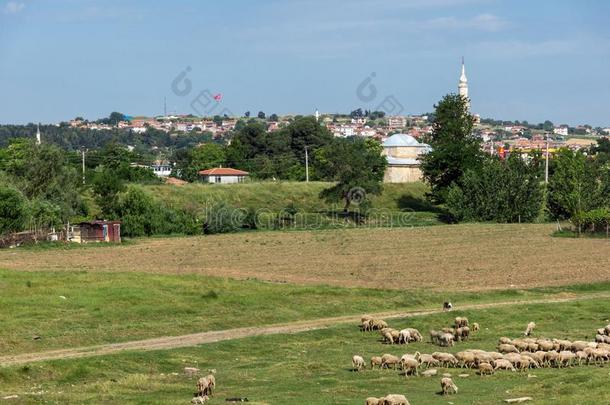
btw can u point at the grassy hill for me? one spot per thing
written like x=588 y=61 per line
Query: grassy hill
x=277 y=195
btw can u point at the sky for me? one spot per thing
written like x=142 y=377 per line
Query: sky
x=525 y=60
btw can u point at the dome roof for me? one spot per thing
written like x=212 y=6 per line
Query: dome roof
x=402 y=140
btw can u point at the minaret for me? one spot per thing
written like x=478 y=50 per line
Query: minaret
x=463 y=85
x=317 y=114
x=38 y=139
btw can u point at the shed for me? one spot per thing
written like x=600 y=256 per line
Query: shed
x=96 y=231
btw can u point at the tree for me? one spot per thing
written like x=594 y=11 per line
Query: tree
x=548 y=126
x=357 y=166
x=203 y=157
x=455 y=148
x=498 y=190
x=261 y=115
x=274 y=118
x=217 y=119
x=576 y=184
x=106 y=188
x=13 y=210
x=247 y=114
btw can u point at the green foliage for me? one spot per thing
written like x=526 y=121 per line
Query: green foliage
x=13 y=210
x=577 y=184
x=499 y=191
x=44 y=214
x=223 y=218
x=597 y=220
x=203 y=157
x=106 y=188
x=356 y=165
x=455 y=149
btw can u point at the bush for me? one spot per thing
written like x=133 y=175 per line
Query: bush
x=223 y=218
x=592 y=221
x=13 y=210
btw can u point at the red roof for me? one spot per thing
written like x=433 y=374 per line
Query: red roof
x=223 y=171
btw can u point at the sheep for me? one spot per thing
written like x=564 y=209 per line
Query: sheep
x=435 y=336
x=448 y=330
x=409 y=365
x=448 y=386
x=607 y=330
x=504 y=341
x=562 y=344
x=466 y=358
x=389 y=360
x=565 y=358
x=520 y=345
x=475 y=327
x=526 y=362
x=366 y=325
x=579 y=345
x=357 y=362
x=529 y=329
x=394 y=399
x=376 y=361
x=506 y=348
x=365 y=318
x=485 y=368
x=582 y=356
x=415 y=335
x=198 y=400
x=545 y=345
x=446 y=339
x=426 y=359
x=445 y=358
x=387 y=337
x=404 y=336
x=514 y=358
x=462 y=333
x=461 y=321
x=372 y=401
x=378 y=324
x=503 y=364
x=205 y=385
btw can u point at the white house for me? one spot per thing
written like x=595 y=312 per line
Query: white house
x=161 y=168
x=223 y=175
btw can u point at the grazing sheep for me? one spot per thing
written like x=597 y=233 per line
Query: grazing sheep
x=372 y=401
x=200 y=400
x=448 y=330
x=409 y=365
x=607 y=330
x=415 y=335
x=503 y=364
x=378 y=324
x=448 y=386
x=551 y=357
x=485 y=368
x=475 y=327
x=506 y=348
x=446 y=339
x=466 y=358
x=561 y=344
x=582 y=356
x=529 y=329
x=435 y=336
x=367 y=325
x=565 y=358
x=376 y=361
x=394 y=399
x=445 y=358
x=461 y=321
x=462 y=333
x=388 y=360
x=404 y=336
x=387 y=337
x=203 y=386
x=357 y=362
x=504 y=341
x=545 y=345
x=427 y=359
x=365 y=318
x=520 y=345
x=526 y=362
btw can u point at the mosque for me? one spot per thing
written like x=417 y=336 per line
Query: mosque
x=403 y=151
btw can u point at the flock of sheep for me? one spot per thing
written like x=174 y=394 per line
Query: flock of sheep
x=512 y=354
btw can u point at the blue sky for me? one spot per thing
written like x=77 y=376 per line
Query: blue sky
x=526 y=60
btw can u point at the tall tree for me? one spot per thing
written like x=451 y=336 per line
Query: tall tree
x=455 y=148
x=357 y=166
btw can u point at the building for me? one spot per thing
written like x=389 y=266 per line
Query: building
x=562 y=130
x=223 y=175
x=463 y=84
x=161 y=168
x=397 y=122
x=402 y=152
x=96 y=231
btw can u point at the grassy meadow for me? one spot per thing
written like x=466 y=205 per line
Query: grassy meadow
x=315 y=367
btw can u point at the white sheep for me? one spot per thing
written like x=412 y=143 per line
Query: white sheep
x=404 y=336
x=357 y=362
x=372 y=401
x=394 y=399
x=448 y=386
x=529 y=329
x=200 y=400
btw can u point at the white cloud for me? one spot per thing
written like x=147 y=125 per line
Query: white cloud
x=13 y=7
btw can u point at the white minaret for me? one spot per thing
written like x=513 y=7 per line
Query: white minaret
x=463 y=85
x=38 y=138
x=317 y=114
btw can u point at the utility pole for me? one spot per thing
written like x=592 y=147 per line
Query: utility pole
x=546 y=164
x=306 y=165
x=83 y=154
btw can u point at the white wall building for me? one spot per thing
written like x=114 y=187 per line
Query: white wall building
x=223 y=175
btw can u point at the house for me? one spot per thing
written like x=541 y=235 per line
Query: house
x=397 y=122
x=161 y=168
x=96 y=231
x=223 y=175
x=402 y=152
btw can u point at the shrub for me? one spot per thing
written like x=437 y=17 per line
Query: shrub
x=223 y=218
x=592 y=221
x=13 y=210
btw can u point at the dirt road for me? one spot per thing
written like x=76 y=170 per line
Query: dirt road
x=174 y=342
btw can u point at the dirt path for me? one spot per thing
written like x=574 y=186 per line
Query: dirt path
x=174 y=342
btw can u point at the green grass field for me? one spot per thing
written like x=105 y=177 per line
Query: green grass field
x=315 y=367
